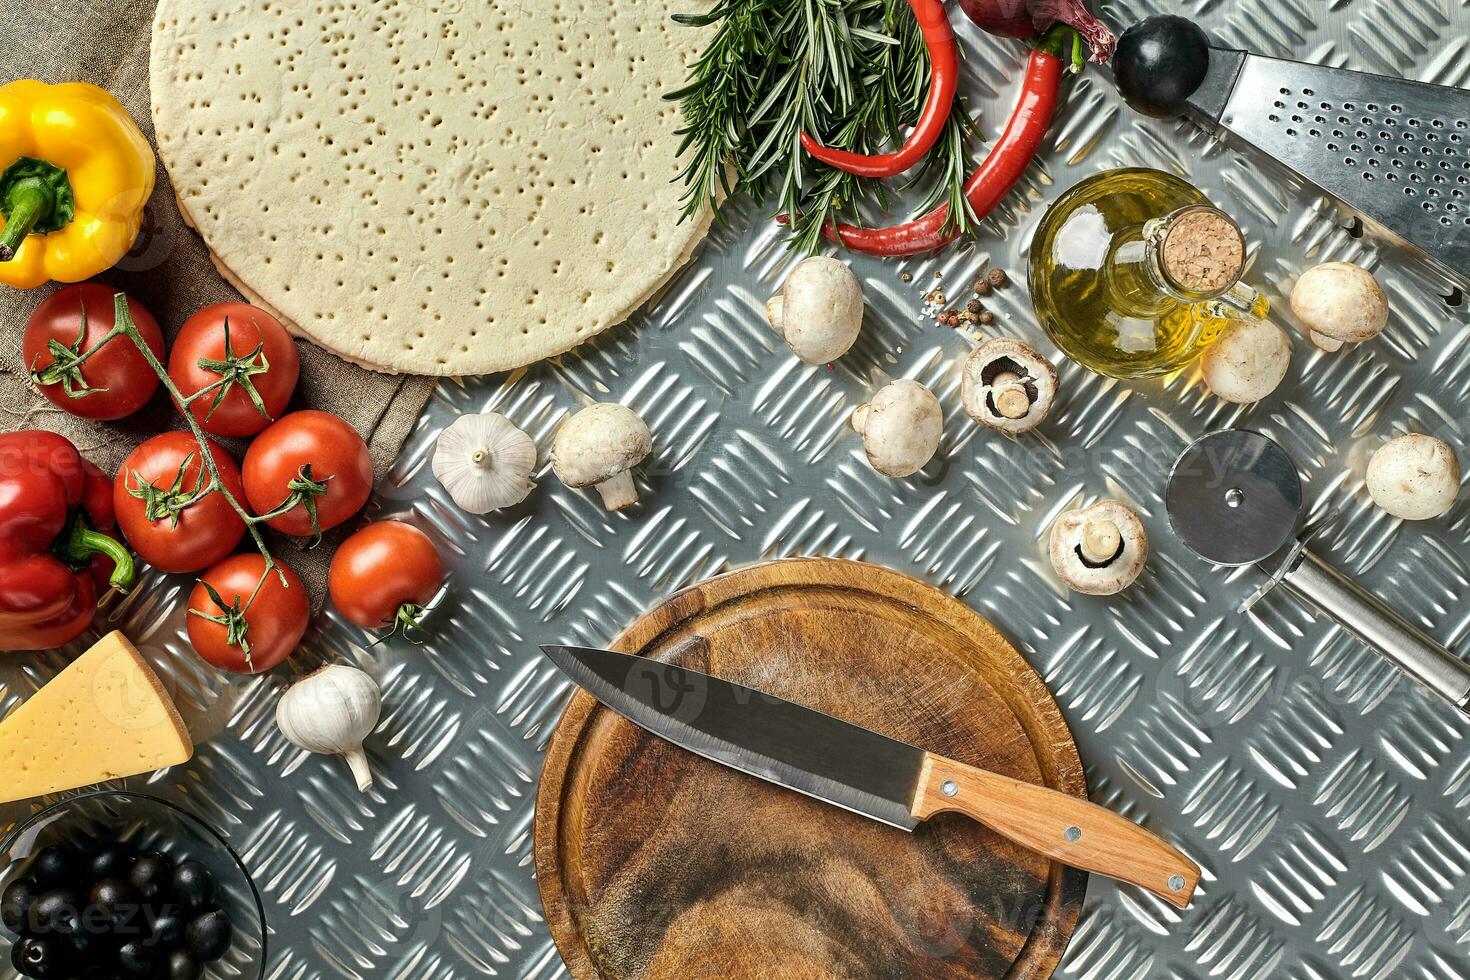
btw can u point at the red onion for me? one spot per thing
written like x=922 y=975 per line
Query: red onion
x=1028 y=18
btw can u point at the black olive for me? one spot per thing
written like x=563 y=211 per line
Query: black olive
x=116 y=904
x=38 y=957
x=208 y=936
x=137 y=960
x=1160 y=62
x=15 y=904
x=167 y=930
x=182 y=966
x=56 y=867
x=58 y=911
x=194 y=886
x=90 y=947
x=152 y=876
x=111 y=861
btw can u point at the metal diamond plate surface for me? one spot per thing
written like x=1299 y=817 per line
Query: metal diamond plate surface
x=1325 y=797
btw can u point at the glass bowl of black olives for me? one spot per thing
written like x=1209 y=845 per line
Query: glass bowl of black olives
x=117 y=886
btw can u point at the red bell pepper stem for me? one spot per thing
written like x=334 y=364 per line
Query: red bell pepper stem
x=944 y=66
x=998 y=173
x=80 y=542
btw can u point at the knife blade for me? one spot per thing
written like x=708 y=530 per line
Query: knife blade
x=868 y=773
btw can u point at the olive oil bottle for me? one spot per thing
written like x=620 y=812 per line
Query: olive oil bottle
x=1133 y=272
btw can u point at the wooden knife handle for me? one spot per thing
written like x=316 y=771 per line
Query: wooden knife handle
x=1075 y=832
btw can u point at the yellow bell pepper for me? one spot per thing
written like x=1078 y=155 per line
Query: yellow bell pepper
x=77 y=174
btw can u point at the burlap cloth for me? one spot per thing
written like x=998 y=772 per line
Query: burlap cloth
x=169 y=270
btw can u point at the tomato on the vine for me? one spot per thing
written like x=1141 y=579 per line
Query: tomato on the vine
x=112 y=382
x=163 y=510
x=247 y=356
x=245 y=620
x=310 y=472
x=383 y=575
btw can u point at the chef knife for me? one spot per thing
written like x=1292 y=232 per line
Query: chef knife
x=868 y=773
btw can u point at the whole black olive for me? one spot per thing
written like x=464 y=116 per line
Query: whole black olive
x=152 y=876
x=116 y=903
x=1160 y=62
x=209 y=936
x=182 y=966
x=138 y=960
x=56 y=867
x=16 y=902
x=113 y=860
x=58 y=911
x=194 y=886
x=35 y=956
x=167 y=930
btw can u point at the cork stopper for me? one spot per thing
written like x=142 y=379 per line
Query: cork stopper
x=1203 y=251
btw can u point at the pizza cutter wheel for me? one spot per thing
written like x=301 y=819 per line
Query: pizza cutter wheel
x=1234 y=498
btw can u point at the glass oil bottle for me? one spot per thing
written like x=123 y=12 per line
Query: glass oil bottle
x=1134 y=272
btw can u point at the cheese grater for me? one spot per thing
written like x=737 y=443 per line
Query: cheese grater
x=1395 y=151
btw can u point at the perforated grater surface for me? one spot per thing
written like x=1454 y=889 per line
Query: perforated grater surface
x=1396 y=151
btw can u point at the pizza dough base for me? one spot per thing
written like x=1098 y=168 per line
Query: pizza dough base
x=586 y=157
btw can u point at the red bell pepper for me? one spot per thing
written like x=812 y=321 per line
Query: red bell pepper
x=54 y=558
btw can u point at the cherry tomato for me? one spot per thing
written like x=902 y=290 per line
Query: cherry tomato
x=384 y=574
x=256 y=367
x=114 y=382
x=184 y=532
x=315 y=459
x=265 y=633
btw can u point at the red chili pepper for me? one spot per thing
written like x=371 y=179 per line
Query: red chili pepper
x=997 y=174
x=53 y=557
x=944 y=65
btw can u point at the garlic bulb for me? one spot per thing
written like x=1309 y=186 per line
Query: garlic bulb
x=485 y=462
x=330 y=712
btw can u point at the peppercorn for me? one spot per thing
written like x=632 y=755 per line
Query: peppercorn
x=982 y=288
x=987 y=318
x=906 y=276
x=974 y=306
x=997 y=277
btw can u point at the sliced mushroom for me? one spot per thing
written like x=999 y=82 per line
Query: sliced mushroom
x=1099 y=550
x=1338 y=303
x=1414 y=477
x=1247 y=362
x=819 y=310
x=1006 y=384
x=598 y=447
x=900 y=427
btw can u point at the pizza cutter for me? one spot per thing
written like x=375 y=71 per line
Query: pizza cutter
x=1234 y=498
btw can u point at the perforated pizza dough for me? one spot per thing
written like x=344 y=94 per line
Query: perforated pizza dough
x=430 y=186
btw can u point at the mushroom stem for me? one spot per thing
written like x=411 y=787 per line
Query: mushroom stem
x=618 y=491
x=1009 y=392
x=775 y=307
x=1100 y=542
x=859 y=418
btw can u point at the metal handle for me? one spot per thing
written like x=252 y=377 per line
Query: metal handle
x=1380 y=627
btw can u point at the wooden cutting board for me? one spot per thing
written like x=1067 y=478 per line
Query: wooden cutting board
x=653 y=862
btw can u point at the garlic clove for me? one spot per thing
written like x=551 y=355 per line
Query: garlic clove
x=485 y=462
x=330 y=712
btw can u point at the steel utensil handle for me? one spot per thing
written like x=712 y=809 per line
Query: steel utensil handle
x=1380 y=627
x=1067 y=829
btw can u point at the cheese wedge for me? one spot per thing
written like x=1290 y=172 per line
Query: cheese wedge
x=105 y=716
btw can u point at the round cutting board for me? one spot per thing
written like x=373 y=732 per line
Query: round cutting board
x=653 y=862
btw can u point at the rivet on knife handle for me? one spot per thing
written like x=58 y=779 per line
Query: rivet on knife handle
x=1070 y=830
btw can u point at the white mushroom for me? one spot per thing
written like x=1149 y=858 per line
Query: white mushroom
x=485 y=462
x=1099 y=550
x=900 y=427
x=1247 y=361
x=1339 y=303
x=1414 y=477
x=598 y=447
x=1006 y=384
x=819 y=310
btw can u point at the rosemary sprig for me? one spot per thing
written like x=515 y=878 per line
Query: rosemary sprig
x=854 y=73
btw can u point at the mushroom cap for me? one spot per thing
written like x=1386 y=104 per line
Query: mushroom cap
x=1000 y=356
x=485 y=462
x=819 y=309
x=598 y=443
x=1247 y=361
x=1110 y=578
x=1342 y=301
x=900 y=427
x=1414 y=477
